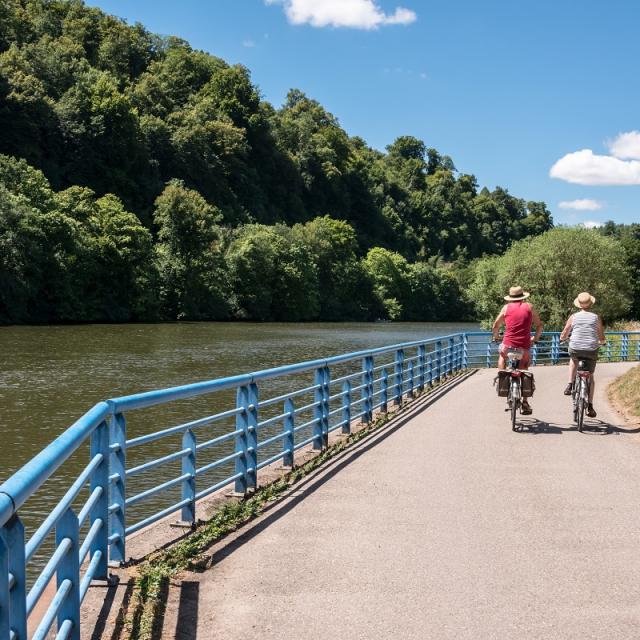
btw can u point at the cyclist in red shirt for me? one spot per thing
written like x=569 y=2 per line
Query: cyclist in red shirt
x=518 y=316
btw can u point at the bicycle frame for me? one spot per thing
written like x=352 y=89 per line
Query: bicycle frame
x=515 y=390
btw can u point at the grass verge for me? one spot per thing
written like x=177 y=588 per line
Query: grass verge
x=624 y=393
x=148 y=600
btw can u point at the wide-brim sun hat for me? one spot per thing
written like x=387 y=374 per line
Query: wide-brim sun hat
x=516 y=293
x=584 y=299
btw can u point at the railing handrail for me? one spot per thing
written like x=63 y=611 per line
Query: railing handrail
x=20 y=486
x=28 y=479
x=183 y=392
x=554 y=333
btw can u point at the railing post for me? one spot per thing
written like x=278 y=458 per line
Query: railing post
x=534 y=355
x=399 y=374
x=608 y=350
x=242 y=423
x=488 y=354
x=555 y=348
x=69 y=569
x=326 y=402
x=100 y=511
x=411 y=377
x=451 y=359
x=625 y=346
x=365 y=391
x=252 y=436
x=430 y=370
x=5 y=619
x=318 y=424
x=422 y=360
x=384 y=395
x=465 y=351
x=188 y=514
x=288 y=442
x=346 y=407
x=13 y=610
x=438 y=360
x=118 y=480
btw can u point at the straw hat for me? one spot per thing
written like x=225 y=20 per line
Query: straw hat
x=584 y=300
x=516 y=293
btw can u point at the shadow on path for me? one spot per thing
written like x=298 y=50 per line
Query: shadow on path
x=319 y=477
x=592 y=426
x=187 y=622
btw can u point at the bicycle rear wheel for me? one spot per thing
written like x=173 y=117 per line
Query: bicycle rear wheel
x=515 y=404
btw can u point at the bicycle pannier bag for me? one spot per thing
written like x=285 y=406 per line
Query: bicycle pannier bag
x=528 y=384
x=502 y=383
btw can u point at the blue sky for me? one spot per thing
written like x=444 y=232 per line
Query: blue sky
x=508 y=89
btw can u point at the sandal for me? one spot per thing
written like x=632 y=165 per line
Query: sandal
x=526 y=409
x=591 y=412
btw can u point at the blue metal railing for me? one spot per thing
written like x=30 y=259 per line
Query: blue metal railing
x=620 y=346
x=276 y=413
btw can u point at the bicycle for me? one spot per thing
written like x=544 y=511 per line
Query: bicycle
x=580 y=391
x=513 y=384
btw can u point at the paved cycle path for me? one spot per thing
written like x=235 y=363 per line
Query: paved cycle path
x=449 y=526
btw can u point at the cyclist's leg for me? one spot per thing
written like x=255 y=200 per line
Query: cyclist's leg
x=573 y=365
x=524 y=364
x=502 y=356
x=592 y=382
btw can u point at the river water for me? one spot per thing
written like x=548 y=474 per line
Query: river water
x=49 y=376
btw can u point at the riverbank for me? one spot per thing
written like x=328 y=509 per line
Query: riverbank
x=624 y=394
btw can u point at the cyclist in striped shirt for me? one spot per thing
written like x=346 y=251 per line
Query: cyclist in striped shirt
x=587 y=334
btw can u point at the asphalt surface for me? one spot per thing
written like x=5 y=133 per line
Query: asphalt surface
x=448 y=526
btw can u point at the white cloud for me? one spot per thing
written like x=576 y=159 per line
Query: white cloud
x=590 y=224
x=355 y=14
x=626 y=146
x=586 y=167
x=248 y=44
x=583 y=204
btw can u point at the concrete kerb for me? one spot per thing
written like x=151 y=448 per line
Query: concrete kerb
x=105 y=603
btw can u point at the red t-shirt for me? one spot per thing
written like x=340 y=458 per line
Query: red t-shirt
x=518 y=320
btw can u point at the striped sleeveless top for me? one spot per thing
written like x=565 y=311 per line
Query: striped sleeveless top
x=584 y=332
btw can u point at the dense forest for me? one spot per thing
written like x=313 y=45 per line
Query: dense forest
x=141 y=179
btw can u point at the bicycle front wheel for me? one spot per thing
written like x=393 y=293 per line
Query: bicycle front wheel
x=575 y=396
x=582 y=401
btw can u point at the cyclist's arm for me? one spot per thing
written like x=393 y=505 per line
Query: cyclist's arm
x=567 y=328
x=498 y=323
x=600 y=330
x=535 y=319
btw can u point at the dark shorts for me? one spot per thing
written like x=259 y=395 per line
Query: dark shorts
x=589 y=358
